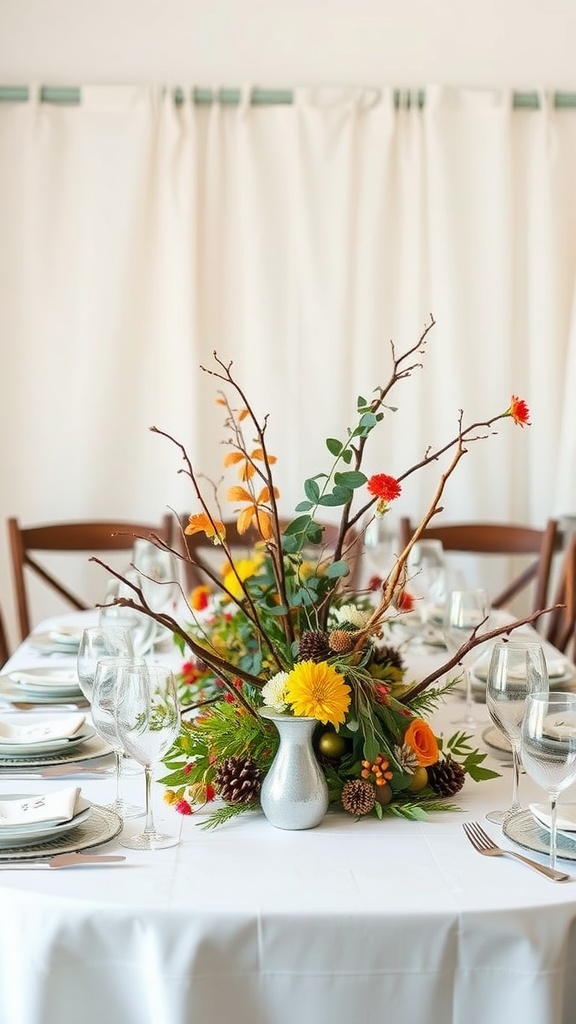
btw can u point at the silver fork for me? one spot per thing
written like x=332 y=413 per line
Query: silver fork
x=483 y=844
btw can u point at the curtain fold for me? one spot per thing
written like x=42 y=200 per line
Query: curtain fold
x=138 y=236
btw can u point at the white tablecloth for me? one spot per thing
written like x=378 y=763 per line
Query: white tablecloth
x=365 y=922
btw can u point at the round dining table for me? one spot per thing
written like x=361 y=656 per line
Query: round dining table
x=366 y=921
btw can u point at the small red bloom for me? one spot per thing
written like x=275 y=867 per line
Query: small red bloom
x=519 y=411
x=187 y=769
x=210 y=792
x=386 y=488
x=382 y=693
x=183 y=807
x=405 y=601
x=374 y=584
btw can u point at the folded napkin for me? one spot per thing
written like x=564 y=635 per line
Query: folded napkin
x=57 y=807
x=66 y=635
x=56 y=729
x=565 y=816
x=557 y=665
x=54 y=678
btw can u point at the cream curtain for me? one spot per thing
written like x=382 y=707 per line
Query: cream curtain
x=137 y=236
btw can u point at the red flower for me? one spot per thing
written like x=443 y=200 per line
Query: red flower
x=374 y=584
x=405 y=601
x=519 y=411
x=210 y=792
x=183 y=807
x=386 y=488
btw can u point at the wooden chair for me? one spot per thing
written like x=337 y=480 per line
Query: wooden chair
x=94 y=537
x=201 y=554
x=560 y=628
x=504 y=539
x=4 y=651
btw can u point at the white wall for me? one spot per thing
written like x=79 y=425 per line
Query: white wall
x=517 y=43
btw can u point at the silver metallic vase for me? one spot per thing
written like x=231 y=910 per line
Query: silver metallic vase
x=294 y=793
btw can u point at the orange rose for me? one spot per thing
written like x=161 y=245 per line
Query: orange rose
x=420 y=737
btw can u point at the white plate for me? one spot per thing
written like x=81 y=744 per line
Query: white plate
x=32 y=748
x=22 y=835
x=496 y=740
x=523 y=829
x=101 y=825
x=38 y=695
x=565 y=817
x=58 y=682
x=91 y=748
x=69 y=636
x=64 y=642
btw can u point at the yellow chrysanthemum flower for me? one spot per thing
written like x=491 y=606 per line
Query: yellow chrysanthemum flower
x=245 y=568
x=316 y=690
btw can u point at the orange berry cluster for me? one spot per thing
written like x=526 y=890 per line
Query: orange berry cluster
x=380 y=769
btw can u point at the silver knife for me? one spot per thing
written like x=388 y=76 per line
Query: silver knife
x=62 y=860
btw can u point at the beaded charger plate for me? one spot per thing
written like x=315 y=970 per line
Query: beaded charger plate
x=523 y=829
x=100 y=826
x=93 y=747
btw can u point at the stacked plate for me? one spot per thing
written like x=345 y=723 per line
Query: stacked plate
x=64 y=640
x=42 y=737
x=41 y=685
x=561 y=674
x=531 y=829
x=28 y=818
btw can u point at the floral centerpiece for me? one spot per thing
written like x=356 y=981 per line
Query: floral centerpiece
x=281 y=628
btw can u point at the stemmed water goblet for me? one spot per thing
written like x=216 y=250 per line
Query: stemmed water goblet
x=427 y=577
x=107 y=679
x=466 y=610
x=111 y=639
x=147 y=723
x=549 y=748
x=157 y=576
x=517 y=669
x=103 y=641
x=141 y=627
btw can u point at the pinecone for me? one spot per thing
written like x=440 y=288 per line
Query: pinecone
x=388 y=655
x=313 y=646
x=446 y=777
x=342 y=640
x=238 y=780
x=358 y=797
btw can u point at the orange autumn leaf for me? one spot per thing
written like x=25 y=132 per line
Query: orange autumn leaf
x=245 y=520
x=243 y=414
x=233 y=457
x=201 y=523
x=258 y=455
x=239 y=494
x=247 y=471
x=264 y=523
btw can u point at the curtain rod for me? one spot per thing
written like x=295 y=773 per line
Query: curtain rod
x=70 y=95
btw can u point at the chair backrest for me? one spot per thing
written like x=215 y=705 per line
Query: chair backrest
x=98 y=536
x=201 y=554
x=501 y=539
x=560 y=628
x=4 y=651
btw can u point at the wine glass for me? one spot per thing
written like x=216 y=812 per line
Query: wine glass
x=517 y=668
x=157 y=571
x=107 y=679
x=466 y=610
x=427 y=577
x=549 y=748
x=141 y=627
x=379 y=543
x=104 y=641
x=147 y=724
